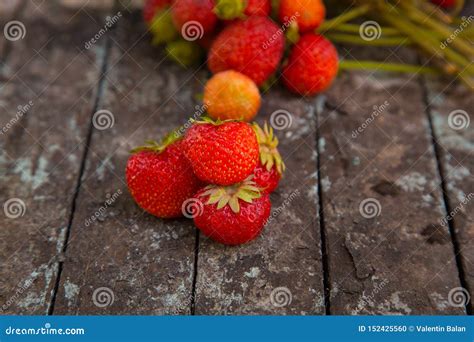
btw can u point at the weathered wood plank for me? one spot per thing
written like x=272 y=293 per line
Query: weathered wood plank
x=382 y=200
x=146 y=263
x=8 y=12
x=46 y=98
x=281 y=271
x=451 y=114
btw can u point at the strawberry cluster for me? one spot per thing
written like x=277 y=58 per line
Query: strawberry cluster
x=223 y=169
x=246 y=36
x=220 y=173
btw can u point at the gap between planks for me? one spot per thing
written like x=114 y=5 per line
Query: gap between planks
x=447 y=205
x=101 y=84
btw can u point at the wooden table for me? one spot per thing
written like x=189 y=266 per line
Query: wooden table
x=79 y=244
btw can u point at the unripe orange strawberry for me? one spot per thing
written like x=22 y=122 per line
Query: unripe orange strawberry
x=231 y=95
x=312 y=65
x=306 y=14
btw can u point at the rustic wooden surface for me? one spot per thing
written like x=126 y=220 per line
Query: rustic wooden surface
x=83 y=247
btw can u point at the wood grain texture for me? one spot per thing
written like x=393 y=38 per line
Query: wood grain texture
x=281 y=271
x=46 y=98
x=145 y=262
x=453 y=121
x=382 y=198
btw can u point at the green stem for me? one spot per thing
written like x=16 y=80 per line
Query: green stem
x=354 y=28
x=358 y=40
x=343 y=18
x=383 y=66
x=443 y=30
x=424 y=40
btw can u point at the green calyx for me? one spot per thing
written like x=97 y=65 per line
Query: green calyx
x=292 y=33
x=162 y=28
x=268 y=143
x=208 y=120
x=184 y=52
x=230 y=195
x=152 y=145
x=230 y=9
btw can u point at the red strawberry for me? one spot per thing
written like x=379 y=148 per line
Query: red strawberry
x=233 y=9
x=312 y=65
x=268 y=172
x=253 y=47
x=306 y=14
x=194 y=18
x=258 y=7
x=152 y=7
x=444 y=3
x=233 y=214
x=222 y=153
x=160 y=178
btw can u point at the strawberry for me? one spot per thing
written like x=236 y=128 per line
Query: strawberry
x=444 y=3
x=233 y=214
x=152 y=7
x=253 y=46
x=160 y=178
x=312 y=65
x=194 y=18
x=233 y=9
x=231 y=95
x=221 y=153
x=157 y=15
x=307 y=15
x=269 y=170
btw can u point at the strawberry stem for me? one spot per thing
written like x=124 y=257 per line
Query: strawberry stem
x=343 y=18
x=358 y=40
x=383 y=66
